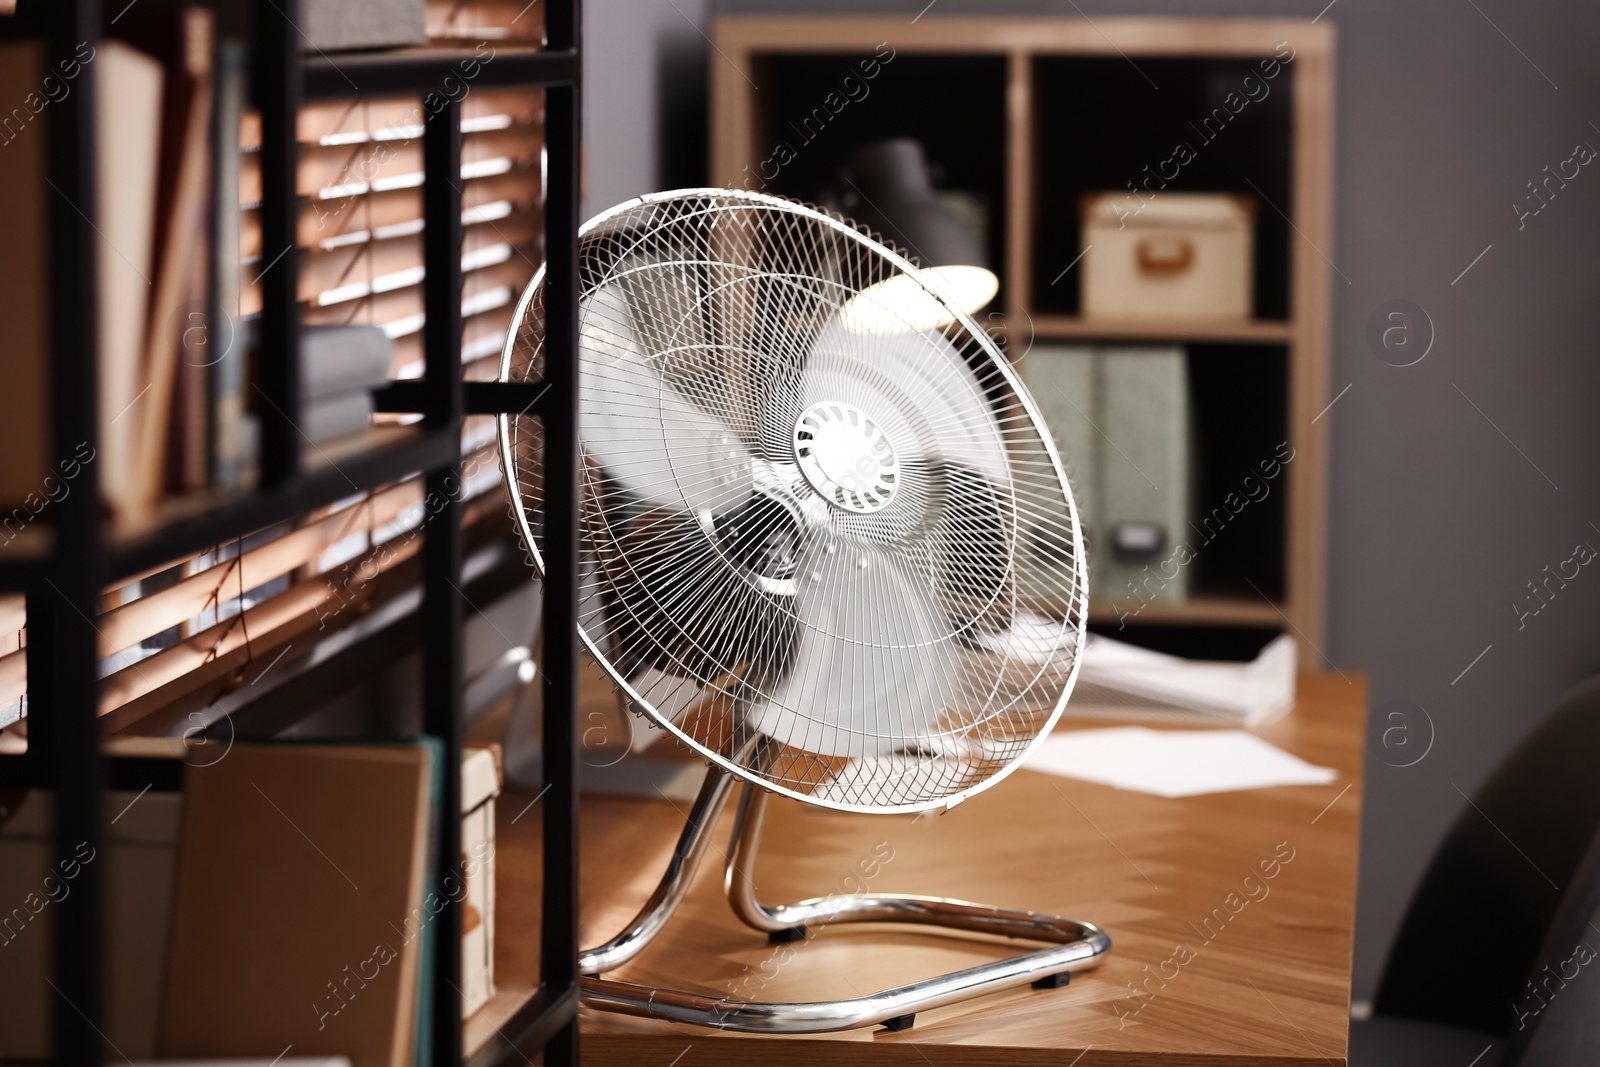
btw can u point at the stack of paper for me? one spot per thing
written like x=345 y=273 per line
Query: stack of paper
x=1119 y=678
x=1173 y=763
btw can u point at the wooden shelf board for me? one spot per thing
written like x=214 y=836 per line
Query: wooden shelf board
x=1203 y=610
x=1066 y=34
x=1260 y=331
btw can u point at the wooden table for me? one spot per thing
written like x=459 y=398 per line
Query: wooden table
x=1213 y=963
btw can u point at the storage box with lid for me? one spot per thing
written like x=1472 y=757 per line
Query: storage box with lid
x=480 y=784
x=1168 y=256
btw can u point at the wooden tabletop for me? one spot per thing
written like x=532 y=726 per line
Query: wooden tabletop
x=1231 y=917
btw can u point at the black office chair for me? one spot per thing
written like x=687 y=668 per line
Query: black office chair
x=1511 y=892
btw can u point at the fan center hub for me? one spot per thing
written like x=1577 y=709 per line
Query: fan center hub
x=846 y=457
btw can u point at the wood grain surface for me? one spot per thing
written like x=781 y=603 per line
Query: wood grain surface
x=1214 y=962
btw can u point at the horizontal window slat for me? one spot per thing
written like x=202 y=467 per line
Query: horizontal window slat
x=192 y=655
x=318 y=605
x=330 y=173
x=175 y=604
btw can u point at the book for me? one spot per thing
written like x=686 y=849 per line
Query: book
x=1063 y=382
x=299 y=906
x=335 y=24
x=128 y=89
x=425 y=931
x=480 y=784
x=339 y=368
x=188 y=458
x=474 y=21
x=230 y=397
x=181 y=39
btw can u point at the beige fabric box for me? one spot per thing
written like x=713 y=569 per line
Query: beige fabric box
x=1171 y=256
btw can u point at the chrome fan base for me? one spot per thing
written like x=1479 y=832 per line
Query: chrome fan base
x=1073 y=945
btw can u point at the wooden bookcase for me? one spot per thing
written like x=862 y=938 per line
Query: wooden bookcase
x=1027 y=114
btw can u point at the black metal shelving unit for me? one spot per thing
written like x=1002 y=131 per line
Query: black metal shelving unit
x=62 y=589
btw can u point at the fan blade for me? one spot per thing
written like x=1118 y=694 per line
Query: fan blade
x=918 y=388
x=641 y=430
x=874 y=665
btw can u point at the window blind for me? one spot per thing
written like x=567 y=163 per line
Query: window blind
x=174 y=629
x=158 y=628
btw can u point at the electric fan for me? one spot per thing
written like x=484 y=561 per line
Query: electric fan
x=827 y=542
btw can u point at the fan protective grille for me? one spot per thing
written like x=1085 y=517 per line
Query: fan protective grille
x=806 y=511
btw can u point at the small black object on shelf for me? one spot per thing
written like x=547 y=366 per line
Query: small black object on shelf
x=888 y=186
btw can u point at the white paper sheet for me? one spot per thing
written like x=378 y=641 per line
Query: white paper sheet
x=1119 y=676
x=1173 y=763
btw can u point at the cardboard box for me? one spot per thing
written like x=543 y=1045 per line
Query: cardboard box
x=139 y=849
x=302 y=904
x=480 y=784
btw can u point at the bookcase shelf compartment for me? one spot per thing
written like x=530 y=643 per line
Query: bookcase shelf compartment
x=824 y=106
x=1084 y=109
x=1137 y=137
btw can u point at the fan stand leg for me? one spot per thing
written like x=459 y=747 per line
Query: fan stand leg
x=686 y=857
x=1073 y=945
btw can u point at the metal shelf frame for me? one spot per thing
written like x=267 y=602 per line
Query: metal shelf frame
x=62 y=589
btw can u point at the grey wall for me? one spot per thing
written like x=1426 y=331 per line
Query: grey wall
x=1454 y=481
x=644 y=97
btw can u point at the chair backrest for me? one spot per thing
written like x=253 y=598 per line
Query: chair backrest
x=1486 y=904
x=1556 y=1019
